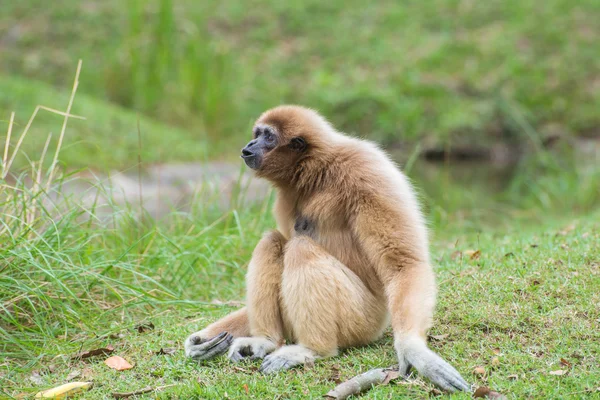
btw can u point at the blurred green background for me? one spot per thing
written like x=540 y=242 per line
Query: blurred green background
x=439 y=73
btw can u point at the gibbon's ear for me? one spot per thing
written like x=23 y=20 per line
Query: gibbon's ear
x=298 y=144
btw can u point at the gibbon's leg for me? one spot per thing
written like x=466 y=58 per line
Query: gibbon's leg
x=263 y=285
x=325 y=306
x=216 y=338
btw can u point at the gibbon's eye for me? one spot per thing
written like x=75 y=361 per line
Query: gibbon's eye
x=269 y=137
x=298 y=144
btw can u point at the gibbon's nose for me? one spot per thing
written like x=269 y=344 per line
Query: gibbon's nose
x=246 y=152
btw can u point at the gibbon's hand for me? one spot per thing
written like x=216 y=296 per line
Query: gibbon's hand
x=200 y=348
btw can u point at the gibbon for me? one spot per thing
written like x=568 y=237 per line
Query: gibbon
x=349 y=256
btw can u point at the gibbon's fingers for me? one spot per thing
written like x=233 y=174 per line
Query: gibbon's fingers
x=436 y=369
x=250 y=347
x=208 y=349
x=286 y=357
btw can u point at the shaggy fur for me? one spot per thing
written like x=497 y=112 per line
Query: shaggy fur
x=350 y=254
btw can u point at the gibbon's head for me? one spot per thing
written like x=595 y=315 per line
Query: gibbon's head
x=283 y=137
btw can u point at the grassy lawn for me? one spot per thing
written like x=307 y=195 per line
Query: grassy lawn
x=529 y=299
x=445 y=70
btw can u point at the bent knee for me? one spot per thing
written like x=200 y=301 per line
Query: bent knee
x=272 y=243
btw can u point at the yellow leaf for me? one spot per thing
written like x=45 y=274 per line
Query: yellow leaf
x=61 y=391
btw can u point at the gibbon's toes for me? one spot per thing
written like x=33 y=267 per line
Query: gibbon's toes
x=275 y=363
x=201 y=350
x=448 y=378
x=250 y=347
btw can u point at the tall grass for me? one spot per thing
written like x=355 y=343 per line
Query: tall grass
x=173 y=72
x=69 y=275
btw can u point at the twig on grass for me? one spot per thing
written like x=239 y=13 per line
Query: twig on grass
x=147 y=389
x=363 y=382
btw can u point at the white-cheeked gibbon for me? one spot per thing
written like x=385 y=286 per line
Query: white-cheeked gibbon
x=350 y=255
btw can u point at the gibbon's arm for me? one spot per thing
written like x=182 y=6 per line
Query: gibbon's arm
x=399 y=252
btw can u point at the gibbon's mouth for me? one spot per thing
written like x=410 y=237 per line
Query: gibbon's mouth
x=251 y=160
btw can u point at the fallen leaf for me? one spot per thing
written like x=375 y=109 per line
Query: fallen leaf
x=246 y=388
x=439 y=338
x=558 y=372
x=73 y=374
x=565 y=362
x=535 y=282
x=96 y=352
x=473 y=254
x=534 y=245
x=496 y=350
x=36 y=378
x=390 y=376
x=167 y=351
x=511 y=254
x=241 y=370
x=335 y=374
x=66 y=390
x=479 y=370
x=86 y=373
x=116 y=335
x=486 y=392
x=495 y=361
x=513 y=377
x=118 y=363
x=144 y=327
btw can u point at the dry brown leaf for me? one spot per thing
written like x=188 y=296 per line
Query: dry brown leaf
x=96 y=352
x=335 y=374
x=565 y=362
x=73 y=374
x=36 y=378
x=473 y=254
x=479 y=370
x=558 y=372
x=486 y=392
x=167 y=351
x=390 y=375
x=495 y=361
x=144 y=327
x=496 y=350
x=246 y=389
x=118 y=363
x=513 y=377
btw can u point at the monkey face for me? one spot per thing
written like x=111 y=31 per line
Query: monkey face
x=270 y=148
x=265 y=140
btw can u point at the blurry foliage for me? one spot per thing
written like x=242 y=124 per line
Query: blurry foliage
x=396 y=72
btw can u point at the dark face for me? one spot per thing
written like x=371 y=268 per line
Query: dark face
x=267 y=140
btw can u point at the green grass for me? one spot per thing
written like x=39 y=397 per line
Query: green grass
x=529 y=300
x=107 y=137
x=440 y=71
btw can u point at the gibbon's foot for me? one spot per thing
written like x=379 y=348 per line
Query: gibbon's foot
x=250 y=347
x=285 y=358
x=201 y=349
x=430 y=365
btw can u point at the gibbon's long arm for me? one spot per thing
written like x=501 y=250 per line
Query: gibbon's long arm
x=403 y=266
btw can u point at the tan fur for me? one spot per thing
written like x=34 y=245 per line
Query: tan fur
x=365 y=258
